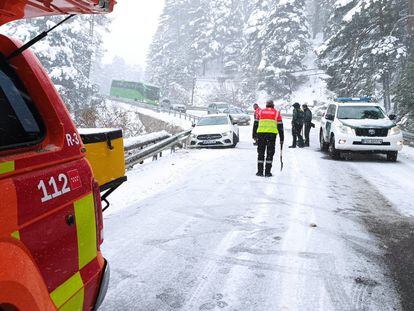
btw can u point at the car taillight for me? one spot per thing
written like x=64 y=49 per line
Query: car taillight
x=98 y=214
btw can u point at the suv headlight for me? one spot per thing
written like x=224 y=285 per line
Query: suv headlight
x=193 y=136
x=395 y=130
x=345 y=129
x=226 y=134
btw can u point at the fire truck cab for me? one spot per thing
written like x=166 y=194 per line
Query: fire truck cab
x=50 y=206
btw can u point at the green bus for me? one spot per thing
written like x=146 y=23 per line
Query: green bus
x=136 y=91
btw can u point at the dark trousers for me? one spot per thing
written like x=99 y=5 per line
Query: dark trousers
x=255 y=126
x=308 y=126
x=266 y=150
x=297 y=135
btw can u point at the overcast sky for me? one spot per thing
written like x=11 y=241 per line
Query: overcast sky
x=134 y=24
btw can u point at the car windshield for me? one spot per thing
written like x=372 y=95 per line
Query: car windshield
x=222 y=106
x=360 y=113
x=213 y=121
x=235 y=110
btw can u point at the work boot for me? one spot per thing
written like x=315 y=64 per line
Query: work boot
x=268 y=170
x=292 y=146
x=259 y=169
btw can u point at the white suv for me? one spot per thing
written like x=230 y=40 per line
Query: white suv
x=357 y=125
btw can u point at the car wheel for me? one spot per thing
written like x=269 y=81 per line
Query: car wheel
x=235 y=140
x=335 y=154
x=392 y=156
x=323 y=145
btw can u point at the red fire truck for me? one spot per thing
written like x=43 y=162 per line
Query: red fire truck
x=50 y=204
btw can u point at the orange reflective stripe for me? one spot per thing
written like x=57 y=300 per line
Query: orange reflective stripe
x=6 y=167
x=86 y=230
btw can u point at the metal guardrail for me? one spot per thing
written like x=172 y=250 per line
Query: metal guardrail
x=181 y=115
x=155 y=149
x=142 y=144
x=408 y=138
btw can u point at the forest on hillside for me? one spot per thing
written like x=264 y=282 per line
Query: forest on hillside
x=241 y=51
x=260 y=46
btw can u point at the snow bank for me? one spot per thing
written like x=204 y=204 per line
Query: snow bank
x=163 y=116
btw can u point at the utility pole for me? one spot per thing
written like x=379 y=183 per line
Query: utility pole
x=411 y=20
x=91 y=38
x=411 y=26
x=193 y=91
x=386 y=61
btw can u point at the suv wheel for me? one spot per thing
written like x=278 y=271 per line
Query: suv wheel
x=392 y=156
x=332 y=150
x=323 y=145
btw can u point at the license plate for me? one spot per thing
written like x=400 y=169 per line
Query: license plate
x=210 y=142
x=372 y=141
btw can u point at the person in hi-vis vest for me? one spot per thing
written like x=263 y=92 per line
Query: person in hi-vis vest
x=270 y=124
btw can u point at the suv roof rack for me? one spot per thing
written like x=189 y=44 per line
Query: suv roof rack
x=354 y=99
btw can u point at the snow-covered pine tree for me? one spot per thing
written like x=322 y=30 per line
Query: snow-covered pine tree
x=66 y=53
x=254 y=38
x=404 y=95
x=227 y=37
x=321 y=11
x=285 y=44
x=202 y=26
x=170 y=64
x=360 y=55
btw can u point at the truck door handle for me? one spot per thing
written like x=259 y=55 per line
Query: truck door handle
x=70 y=220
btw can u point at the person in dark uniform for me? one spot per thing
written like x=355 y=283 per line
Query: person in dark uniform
x=308 y=123
x=297 y=126
x=256 y=122
x=270 y=124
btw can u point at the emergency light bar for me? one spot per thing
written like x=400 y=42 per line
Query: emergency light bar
x=354 y=99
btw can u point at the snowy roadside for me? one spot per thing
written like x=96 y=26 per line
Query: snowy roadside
x=153 y=177
x=394 y=180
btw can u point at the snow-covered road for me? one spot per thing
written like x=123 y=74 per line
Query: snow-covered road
x=199 y=231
